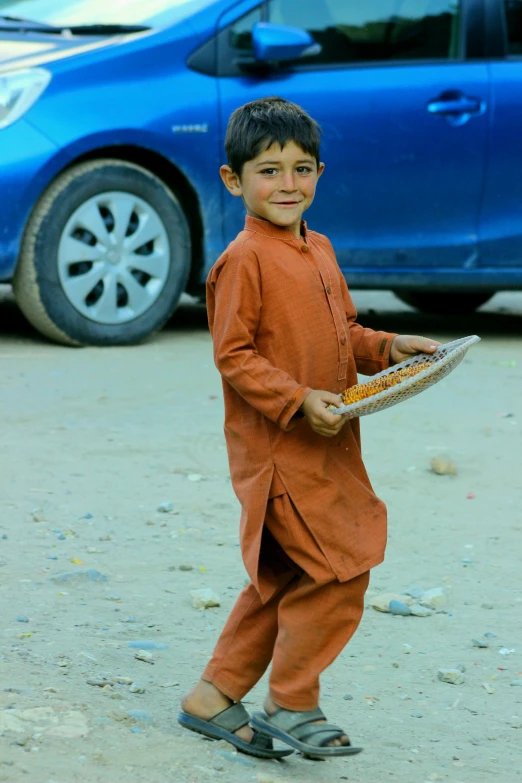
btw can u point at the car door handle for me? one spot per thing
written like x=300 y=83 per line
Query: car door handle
x=455 y=107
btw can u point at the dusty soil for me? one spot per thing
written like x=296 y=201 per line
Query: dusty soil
x=93 y=441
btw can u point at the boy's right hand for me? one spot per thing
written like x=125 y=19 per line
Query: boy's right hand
x=320 y=419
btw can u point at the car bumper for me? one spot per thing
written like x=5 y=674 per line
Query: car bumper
x=24 y=157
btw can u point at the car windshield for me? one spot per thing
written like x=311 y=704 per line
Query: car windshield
x=152 y=13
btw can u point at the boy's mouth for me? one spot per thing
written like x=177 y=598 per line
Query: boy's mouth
x=286 y=203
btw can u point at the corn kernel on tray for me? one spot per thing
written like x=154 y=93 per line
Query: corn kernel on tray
x=404 y=380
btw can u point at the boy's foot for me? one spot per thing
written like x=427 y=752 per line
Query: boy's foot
x=271 y=707
x=205 y=701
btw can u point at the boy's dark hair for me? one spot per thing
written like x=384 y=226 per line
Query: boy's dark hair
x=255 y=126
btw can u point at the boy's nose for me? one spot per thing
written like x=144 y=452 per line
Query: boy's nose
x=288 y=182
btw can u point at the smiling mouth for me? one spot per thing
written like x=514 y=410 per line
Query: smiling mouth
x=286 y=203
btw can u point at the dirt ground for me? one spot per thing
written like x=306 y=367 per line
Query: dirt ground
x=93 y=441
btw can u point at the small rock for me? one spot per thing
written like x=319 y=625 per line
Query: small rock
x=407 y=648
x=185 y=567
x=22 y=618
x=488 y=688
x=141 y=716
x=143 y=655
x=515 y=722
x=137 y=688
x=382 y=602
x=123 y=680
x=487 y=606
x=81 y=575
x=37 y=515
x=348 y=697
x=506 y=651
x=452 y=676
x=514 y=683
x=129 y=620
x=399 y=608
x=482 y=643
x=166 y=508
x=99 y=683
x=263 y=778
x=420 y=611
x=147 y=644
x=461 y=667
x=416 y=714
x=443 y=466
x=435 y=599
x=195 y=477
x=204 y=599
x=415 y=592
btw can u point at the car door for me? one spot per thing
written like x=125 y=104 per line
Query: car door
x=501 y=220
x=404 y=121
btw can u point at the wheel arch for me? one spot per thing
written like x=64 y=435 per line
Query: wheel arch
x=173 y=178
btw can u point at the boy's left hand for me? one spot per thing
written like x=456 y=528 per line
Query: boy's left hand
x=406 y=345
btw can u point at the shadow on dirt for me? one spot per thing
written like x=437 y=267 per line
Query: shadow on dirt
x=388 y=315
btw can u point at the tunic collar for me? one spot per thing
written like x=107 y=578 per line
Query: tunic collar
x=268 y=229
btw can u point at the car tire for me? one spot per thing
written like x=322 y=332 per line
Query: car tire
x=444 y=302
x=127 y=304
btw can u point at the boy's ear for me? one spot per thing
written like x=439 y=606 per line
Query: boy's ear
x=320 y=170
x=231 y=180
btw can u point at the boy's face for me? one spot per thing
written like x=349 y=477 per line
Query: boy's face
x=278 y=185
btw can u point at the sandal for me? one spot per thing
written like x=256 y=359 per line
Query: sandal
x=298 y=730
x=222 y=727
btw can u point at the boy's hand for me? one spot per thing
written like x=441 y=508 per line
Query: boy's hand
x=320 y=419
x=406 y=345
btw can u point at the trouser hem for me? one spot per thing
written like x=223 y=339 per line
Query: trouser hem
x=223 y=684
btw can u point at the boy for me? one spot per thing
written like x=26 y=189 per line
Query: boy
x=286 y=344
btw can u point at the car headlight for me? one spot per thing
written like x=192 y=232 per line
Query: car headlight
x=18 y=91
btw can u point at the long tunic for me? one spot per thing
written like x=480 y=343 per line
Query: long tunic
x=283 y=323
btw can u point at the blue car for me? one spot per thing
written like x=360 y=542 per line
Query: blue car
x=112 y=117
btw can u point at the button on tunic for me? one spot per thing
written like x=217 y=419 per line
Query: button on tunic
x=283 y=323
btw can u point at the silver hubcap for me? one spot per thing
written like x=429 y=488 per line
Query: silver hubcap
x=113 y=257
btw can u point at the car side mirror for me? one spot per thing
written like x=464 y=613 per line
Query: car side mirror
x=278 y=42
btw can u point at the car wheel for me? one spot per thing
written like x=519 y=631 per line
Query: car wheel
x=105 y=256
x=444 y=302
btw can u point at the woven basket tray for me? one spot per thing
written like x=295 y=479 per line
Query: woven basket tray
x=442 y=362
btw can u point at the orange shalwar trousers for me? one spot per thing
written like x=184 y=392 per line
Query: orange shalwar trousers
x=301 y=629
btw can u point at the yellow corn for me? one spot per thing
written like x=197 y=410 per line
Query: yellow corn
x=364 y=390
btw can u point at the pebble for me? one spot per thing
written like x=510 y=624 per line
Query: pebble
x=262 y=778
x=166 y=508
x=399 y=608
x=82 y=574
x=123 y=680
x=382 y=602
x=415 y=592
x=506 y=651
x=452 y=676
x=52 y=557
x=515 y=722
x=516 y=682
x=349 y=697
x=204 y=599
x=443 y=466
x=137 y=688
x=487 y=606
x=22 y=618
x=195 y=477
x=420 y=611
x=129 y=620
x=186 y=567
x=99 y=683
x=416 y=714
x=488 y=688
x=141 y=716
x=147 y=644
x=461 y=667
x=435 y=598
x=37 y=515
x=407 y=648
x=143 y=655
x=480 y=643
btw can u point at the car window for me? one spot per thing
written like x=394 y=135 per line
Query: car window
x=240 y=33
x=352 y=31
x=514 y=26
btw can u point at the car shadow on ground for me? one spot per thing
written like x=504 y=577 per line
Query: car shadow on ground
x=391 y=316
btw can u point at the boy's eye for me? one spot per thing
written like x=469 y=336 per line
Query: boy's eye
x=268 y=171
x=304 y=170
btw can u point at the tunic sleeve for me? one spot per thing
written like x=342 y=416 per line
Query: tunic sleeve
x=371 y=349
x=234 y=322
